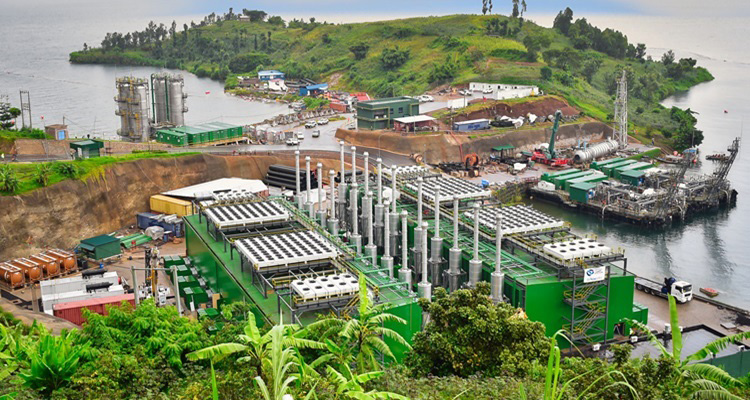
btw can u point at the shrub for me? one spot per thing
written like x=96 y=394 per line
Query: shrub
x=392 y=58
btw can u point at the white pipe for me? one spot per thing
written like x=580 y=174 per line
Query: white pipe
x=370 y=234
x=355 y=217
x=332 y=178
x=476 y=231
x=380 y=181
x=296 y=177
x=419 y=203
x=499 y=241
x=367 y=173
x=320 y=186
x=424 y=252
x=437 y=212
x=342 y=171
x=404 y=240
x=386 y=235
x=455 y=222
x=393 y=190
x=307 y=171
x=354 y=163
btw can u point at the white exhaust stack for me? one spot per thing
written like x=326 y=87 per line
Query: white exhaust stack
x=298 y=193
x=355 y=236
x=496 y=282
x=308 y=204
x=333 y=222
x=394 y=214
x=387 y=261
x=404 y=274
x=454 y=256
x=371 y=251
x=321 y=212
x=424 y=287
x=418 y=228
x=475 y=265
x=379 y=205
x=354 y=164
x=436 y=254
x=341 y=201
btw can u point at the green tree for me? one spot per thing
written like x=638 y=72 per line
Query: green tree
x=248 y=62
x=359 y=50
x=589 y=68
x=563 y=20
x=469 y=334
x=486 y=7
x=8 y=115
x=546 y=73
x=364 y=334
x=698 y=380
x=277 y=21
x=667 y=58
x=8 y=180
x=640 y=51
x=350 y=384
x=42 y=173
x=215 y=354
x=392 y=58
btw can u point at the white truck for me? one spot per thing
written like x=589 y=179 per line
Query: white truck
x=681 y=291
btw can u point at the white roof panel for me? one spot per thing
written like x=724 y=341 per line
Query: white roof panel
x=236 y=215
x=414 y=119
x=516 y=219
x=207 y=189
x=285 y=249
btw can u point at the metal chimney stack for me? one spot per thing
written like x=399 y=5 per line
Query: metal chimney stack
x=454 y=255
x=475 y=265
x=394 y=214
x=497 y=278
x=436 y=251
x=308 y=204
x=341 y=201
x=404 y=274
x=321 y=211
x=371 y=251
x=355 y=237
x=333 y=222
x=379 y=206
x=354 y=164
x=424 y=287
x=367 y=172
x=298 y=193
x=387 y=261
x=418 y=228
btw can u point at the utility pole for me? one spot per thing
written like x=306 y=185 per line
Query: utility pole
x=25 y=108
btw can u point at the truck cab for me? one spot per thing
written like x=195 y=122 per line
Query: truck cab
x=682 y=291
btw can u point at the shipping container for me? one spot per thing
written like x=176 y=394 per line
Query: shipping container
x=591 y=178
x=187 y=281
x=32 y=270
x=49 y=301
x=68 y=260
x=599 y=164
x=170 y=223
x=559 y=181
x=609 y=169
x=233 y=131
x=100 y=247
x=73 y=311
x=634 y=177
x=12 y=276
x=195 y=295
x=171 y=260
x=582 y=192
x=170 y=205
x=77 y=283
x=548 y=176
x=638 y=166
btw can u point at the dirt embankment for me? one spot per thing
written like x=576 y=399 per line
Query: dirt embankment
x=544 y=106
x=63 y=214
x=444 y=147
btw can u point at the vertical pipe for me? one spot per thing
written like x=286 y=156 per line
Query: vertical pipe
x=476 y=231
x=455 y=222
x=393 y=189
x=419 y=203
x=386 y=234
x=370 y=235
x=308 y=204
x=497 y=278
x=176 y=290
x=424 y=253
x=404 y=273
x=320 y=186
x=135 y=286
x=354 y=164
x=367 y=172
x=475 y=265
x=332 y=182
x=342 y=171
x=355 y=209
x=380 y=181
x=437 y=212
x=296 y=177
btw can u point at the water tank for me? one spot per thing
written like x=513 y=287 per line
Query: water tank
x=177 y=101
x=595 y=151
x=50 y=266
x=143 y=125
x=11 y=275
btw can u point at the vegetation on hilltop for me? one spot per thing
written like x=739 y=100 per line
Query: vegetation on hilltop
x=408 y=56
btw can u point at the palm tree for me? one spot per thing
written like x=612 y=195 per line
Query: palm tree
x=215 y=354
x=701 y=381
x=279 y=365
x=350 y=385
x=366 y=332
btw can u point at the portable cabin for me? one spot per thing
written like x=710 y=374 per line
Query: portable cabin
x=100 y=247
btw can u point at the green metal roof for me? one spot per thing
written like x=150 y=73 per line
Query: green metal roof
x=87 y=144
x=386 y=101
x=99 y=240
x=583 y=186
x=503 y=147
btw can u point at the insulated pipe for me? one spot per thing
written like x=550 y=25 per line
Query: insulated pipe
x=355 y=237
x=354 y=164
x=455 y=222
x=333 y=222
x=393 y=189
x=424 y=287
x=342 y=187
x=367 y=172
x=437 y=212
x=307 y=171
x=436 y=243
x=342 y=170
x=371 y=250
x=296 y=177
x=380 y=181
x=404 y=274
x=387 y=243
x=497 y=278
x=419 y=201
x=475 y=265
x=379 y=237
x=454 y=254
x=320 y=186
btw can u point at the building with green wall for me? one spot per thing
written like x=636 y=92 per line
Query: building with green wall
x=380 y=113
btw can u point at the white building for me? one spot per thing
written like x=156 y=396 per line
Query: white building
x=502 y=91
x=277 y=85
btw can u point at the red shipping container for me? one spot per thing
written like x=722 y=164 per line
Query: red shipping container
x=73 y=311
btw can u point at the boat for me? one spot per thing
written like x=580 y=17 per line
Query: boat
x=716 y=157
x=709 y=292
x=670 y=159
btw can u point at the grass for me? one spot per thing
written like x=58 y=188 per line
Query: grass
x=653 y=153
x=92 y=168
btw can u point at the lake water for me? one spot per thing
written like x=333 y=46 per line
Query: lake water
x=712 y=250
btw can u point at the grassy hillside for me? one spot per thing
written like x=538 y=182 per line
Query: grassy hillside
x=410 y=56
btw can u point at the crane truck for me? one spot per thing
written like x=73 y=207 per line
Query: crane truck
x=547 y=154
x=681 y=291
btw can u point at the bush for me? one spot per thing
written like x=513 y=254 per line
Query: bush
x=8 y=180
x=392 y=58
x=67 y=169
x=248 y=62
x=546 y=73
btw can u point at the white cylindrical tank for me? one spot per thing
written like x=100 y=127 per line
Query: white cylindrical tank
x=176 y=101
x=159 y=92
x=142 y=123
x=595 y=151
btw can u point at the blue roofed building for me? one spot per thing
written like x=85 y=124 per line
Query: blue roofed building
x=270 y=74
x=313 y=90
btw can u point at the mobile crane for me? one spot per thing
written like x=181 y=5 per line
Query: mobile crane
x=547 y=155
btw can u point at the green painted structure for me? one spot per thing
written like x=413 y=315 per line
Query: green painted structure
x=549 y=176
x=580 y=191
x=638 y=166
x=560 y=180
x=599 y=164
x=380 y=113
x=589 y=178
x=174 y=138
x=197 y=135
x=634 y=177
x=609 y=169
x=87 y=148
x=100 y=247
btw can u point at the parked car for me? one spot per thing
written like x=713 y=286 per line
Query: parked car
x=316 y=133
x=292 y=142
x=465 y=92
x=310 y=124
x=487 y=91
x=427 y=97
x=300 y=136
x=322 y=121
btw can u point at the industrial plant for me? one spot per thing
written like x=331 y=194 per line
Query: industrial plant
x=146 y=106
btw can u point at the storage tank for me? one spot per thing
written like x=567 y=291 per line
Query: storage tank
x=50 y=266
x=177 y=97
x=67 y=259
x=595 y=151
x=11 y=275
x=32 y=270
x=159 y=98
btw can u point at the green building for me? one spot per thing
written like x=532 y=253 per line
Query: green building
x=549 y=176
x=169 y=136
x=580 y=192
x=100 y=247
x=559 y=181
x=380 y=113
x=598 y=165
x=87 y=148
x=633 y=177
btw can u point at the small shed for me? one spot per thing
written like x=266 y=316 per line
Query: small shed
x=413 y=123
x=57 y=131
x=268 y=75
x=504 y=151
x=86 y=148
x=471 y=125
x=100 y=247
x=582 y=192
